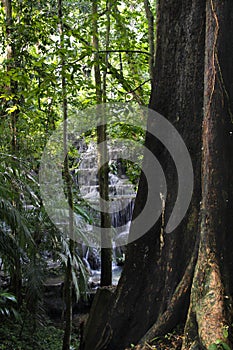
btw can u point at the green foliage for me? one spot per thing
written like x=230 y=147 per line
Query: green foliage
x=26 y=233
x=44 y=338
x=7 y=300
x=219 y=343
x=31 y=108
x=31 y=79
x=213 y=347
x=16 y=189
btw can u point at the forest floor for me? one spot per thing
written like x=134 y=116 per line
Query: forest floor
x=170 y=341
x=22 y=336
x=17 y=335
x=49 y=336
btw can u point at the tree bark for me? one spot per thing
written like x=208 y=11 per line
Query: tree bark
x=12 y=58
x=16 y=280
x=211 y=292
x=68 y=283
x=151 y=35
x=106 y=251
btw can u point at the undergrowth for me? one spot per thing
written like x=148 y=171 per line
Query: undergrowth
x=22 y=336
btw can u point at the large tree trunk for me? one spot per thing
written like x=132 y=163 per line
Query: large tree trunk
x=209 y=312
x=193 y=70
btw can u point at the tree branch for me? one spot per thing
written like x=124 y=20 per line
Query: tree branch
x=151 y=34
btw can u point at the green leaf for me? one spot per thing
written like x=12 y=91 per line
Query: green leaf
x=219 y=343
x=225 y=332
x=156 y=338
x=17 y=315
x=8 y=296
x=11 y=109
x=213 y=347
x=225 y=346
x=83 y=213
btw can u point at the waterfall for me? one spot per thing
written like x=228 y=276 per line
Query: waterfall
x=121 y=200
x=121 y=190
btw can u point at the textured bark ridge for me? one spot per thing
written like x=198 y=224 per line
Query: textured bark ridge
x=189 y=278
x=211 y=292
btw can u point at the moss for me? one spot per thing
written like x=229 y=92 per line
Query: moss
x=192 y=221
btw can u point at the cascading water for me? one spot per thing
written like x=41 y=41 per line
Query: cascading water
x=121 y=200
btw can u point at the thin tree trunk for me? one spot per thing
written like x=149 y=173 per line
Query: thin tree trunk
x=151 y=36
x=107 y=38
x=16 y=278
x=16 y=281
x=11 y=57
x=68 y=183
x=106 y=253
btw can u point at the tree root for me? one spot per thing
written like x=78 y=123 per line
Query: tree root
x=168 y=320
